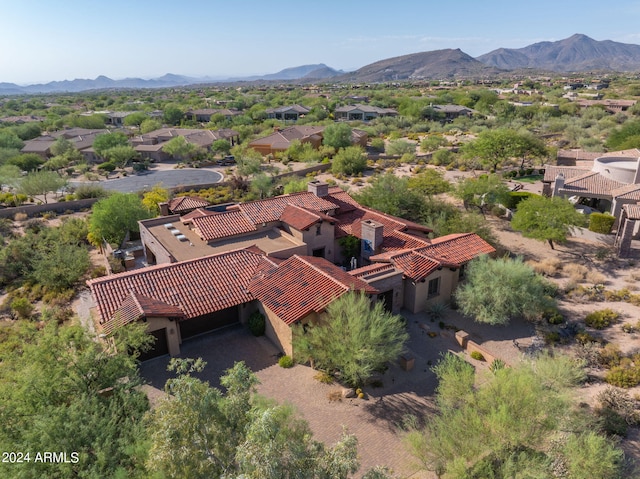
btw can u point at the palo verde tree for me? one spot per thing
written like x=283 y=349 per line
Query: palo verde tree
x=518 y=423
x=356 y=338
x=546 y=219
x=350 y=160
x=480 y=192
x=113 y=217
x=495 y=147
x=40 y=183
x=498 y=289
x=392 y=195
x=337 y=135
x=201 y=432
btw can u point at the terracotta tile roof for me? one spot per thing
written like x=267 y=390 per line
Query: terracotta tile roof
x=270 y=209
x=341 y=199
x=632 y=211
x=301 y=285
x=568 y=172
x=349 y=223
x=627 y=192
x=372 y=269
x=397 y=240
x=197 y=286
x=197 y=213
x=451 y=250
x=222 y=225
x=302 y=218
x=186 y=203
x=281 y=139
x=591 y=183
x=136 y=306
x=457 y=248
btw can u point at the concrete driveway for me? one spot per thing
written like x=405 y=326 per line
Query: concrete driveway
x=168 y=178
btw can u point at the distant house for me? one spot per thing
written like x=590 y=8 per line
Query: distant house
x=81 y=138
x=287 y=113
x=361 y=112
x=204 y=115
x=612 y=106
x=451 y=112
x=150 y=145
x=281 y=139
x=278 y=256
x=20 y=120
x=116 y=118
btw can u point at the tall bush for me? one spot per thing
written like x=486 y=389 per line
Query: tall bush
x=601 y=222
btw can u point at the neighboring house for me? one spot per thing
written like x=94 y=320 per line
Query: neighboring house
x=612 y=106
x=20 y=120
x=182 y=205
x=81 y=138
x=281 y=139
x=451 y=112
x=278 y=256
x=116 y=118
x=150 y=145
x=287 y=113
x=362 y=112
x=204 y=115
x=610 y=185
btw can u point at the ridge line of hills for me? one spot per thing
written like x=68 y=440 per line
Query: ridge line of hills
x=578 y=53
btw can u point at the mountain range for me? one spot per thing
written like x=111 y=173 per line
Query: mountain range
x=578 y=53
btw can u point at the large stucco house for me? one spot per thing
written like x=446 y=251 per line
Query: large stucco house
x=283 y=256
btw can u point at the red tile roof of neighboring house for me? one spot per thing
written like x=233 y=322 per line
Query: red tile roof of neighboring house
x=372 y=269
x=341 y=199
x=302 y=218
x=349 y=223
x=199 y=286
x=627 y=192
x=568 y=172
x=186 y=203
x=270 y=209
x=451 y=251
x=301 y=285
x=136 y=306
x=222 y=225
x=197 y=213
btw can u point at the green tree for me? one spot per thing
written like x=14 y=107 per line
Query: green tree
x=149 y=125
x=293 y=184
x=8 y=139
x=121 y=155
x=103 y=143
x=200 y=432
x=337 y=135
x=480 y=192
x=356 y=338
x=262 y=184
x=113 y=217
x=62 y=391
x=400 y=147
x=9 y=175
x=249 y=165
x=135 y=119
x=172 y=114
x=495 y=290
x=546 y=219
x=495 y=147
x=60 y=267
x=180 y=148
x=61 y=147
x=221 y=146
x=518 y=423
x=26 y=162
x=349 y=161
x=41 y=183
x=392 y=195
x=430 y=182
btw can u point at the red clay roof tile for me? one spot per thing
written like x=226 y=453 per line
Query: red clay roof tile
x=222 y=225
x=186 y=203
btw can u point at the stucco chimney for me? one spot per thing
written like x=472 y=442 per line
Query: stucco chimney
x=164 y=208
x=318 y=188
x=558 y=184
x=372 y=237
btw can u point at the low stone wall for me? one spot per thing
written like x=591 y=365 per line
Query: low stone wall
x=61 y=207
x=462 y=337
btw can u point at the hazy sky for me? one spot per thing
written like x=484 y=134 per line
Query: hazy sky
x=45 y=40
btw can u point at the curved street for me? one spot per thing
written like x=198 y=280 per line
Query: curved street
x=168 y=178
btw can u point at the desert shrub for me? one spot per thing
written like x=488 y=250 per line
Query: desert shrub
x=323 y=377
x=515 y=197
x=552 y=337
x=623 y=376
x=618 y=295
x=611 y=422
x=436 y=311
x=20 y=217
x=58 y=297
x=546 y=267
x=629 y=328
x=477 y=355
x=285 y=362
x=496 y=365
x=602 y=318
x=576 y=272
x=90 y=191
x=257 y=323
x=57 y=314
x=553 y=316
x=22 y=308
x=620 y=402
x=595 y=277
x=610 y=356
x=601 y=222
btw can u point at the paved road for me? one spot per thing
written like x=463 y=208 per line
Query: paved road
x=168 y=178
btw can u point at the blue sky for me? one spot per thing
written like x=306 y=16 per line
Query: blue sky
x=45 y=40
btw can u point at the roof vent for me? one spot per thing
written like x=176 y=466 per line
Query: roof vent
x=169 y=226
x=181 y=237
x=175 y=232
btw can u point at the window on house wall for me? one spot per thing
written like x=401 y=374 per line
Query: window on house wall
x=462 y=271
x=434 y=288
x=318 y=229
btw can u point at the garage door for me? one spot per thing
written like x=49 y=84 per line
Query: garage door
x=160 y=346
x=208 y=322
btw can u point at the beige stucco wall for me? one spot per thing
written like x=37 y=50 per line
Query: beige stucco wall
x=416 y=295
x=391 y=282
x=277 y=330
x=324 y=240
x=173 y=333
